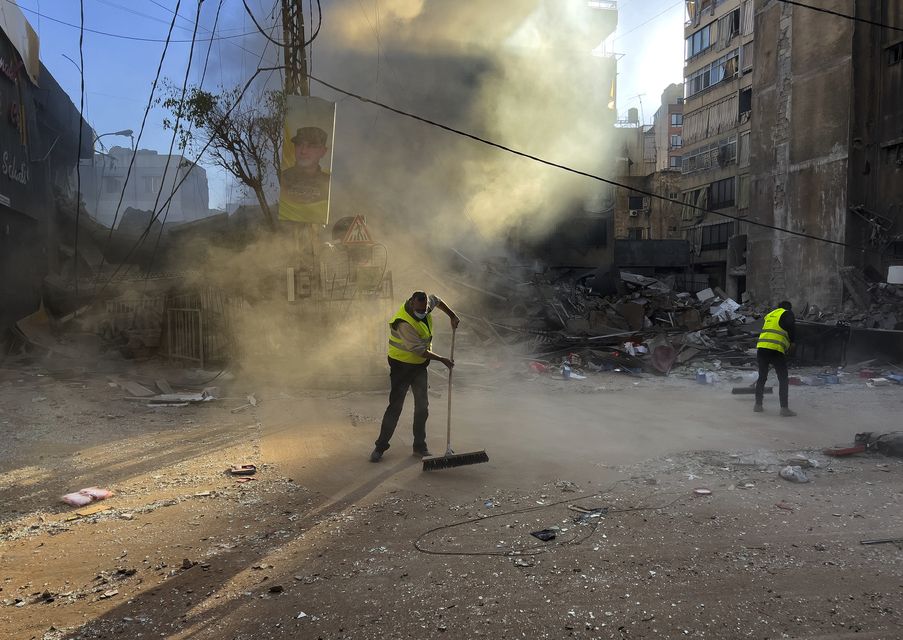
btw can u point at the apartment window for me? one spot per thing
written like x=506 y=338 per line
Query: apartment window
x=724 y=68
x=717 y=154
x=699 y=41
x=676 y=141
x=729 y=26
x=675 y=162
x=722 y=193
x=677 y=119
x=895 y=54
x=743 y=149
x=638 y=233
x=715 y=236
x=636 y=202
x=745 y=101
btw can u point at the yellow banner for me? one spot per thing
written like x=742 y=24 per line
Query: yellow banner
x=305 y=182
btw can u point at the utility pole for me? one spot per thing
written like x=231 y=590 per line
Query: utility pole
x=307 y=236
x=296 y=81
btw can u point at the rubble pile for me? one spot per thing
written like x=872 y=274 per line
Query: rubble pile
x=642 y=324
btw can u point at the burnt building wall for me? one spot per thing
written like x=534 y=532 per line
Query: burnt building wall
x=802 y=94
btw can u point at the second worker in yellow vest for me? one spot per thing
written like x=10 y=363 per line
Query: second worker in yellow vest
x=778 y=330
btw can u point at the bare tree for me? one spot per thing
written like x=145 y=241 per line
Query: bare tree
x=244 y=135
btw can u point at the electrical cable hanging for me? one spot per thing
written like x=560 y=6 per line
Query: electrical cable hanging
x=81 y=129
x=586 y=174
x=128 y=174
x=193 y=164
x=846 y=16
x=119 y=35
x=282 y=44
x=172 y=143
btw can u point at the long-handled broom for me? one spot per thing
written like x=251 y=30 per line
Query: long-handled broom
x=452 y=459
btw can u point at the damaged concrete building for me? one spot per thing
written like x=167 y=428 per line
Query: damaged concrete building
x=827 y=149
x=40 y=145
x=716 y=134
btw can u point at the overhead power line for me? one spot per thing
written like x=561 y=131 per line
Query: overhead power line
x=185 y=176
x=125 y=37
x=585 y=174
x=81 y=129
x=128 y=173
x=842 y=15
x=282 y=44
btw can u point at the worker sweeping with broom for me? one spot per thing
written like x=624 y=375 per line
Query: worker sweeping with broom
x=410 y=344
x=410 y=341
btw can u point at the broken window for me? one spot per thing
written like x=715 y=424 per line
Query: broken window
x=894 y=54
x=745 y=102
x=635 y=202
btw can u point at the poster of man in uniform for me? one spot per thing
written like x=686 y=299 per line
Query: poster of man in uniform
x=306 y=160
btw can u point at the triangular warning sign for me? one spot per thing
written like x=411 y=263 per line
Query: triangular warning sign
x=357 y=232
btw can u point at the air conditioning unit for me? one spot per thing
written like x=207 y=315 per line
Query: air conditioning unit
x=633 y=213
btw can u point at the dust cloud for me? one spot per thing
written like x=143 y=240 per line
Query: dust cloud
x=520 y=73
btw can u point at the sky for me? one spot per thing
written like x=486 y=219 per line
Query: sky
x=119 y=68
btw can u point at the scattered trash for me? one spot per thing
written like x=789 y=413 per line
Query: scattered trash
x=793 y=473
x=702 y=491
x=86 y=496
x=890 y=444
x=252 y=402
x=783 y=505
x=489 y=504
x=109 y=594
x=243 y=480
x=524 y=562
x=243 y=470
x=545 y=535
x=300 y=615
x=844 y=450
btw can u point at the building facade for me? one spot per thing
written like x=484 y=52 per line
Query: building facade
x=152 y=181
x=39 y=135
x=827 y=152
x=717 y=118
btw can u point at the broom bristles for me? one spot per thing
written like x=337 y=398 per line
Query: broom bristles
x=454 y=460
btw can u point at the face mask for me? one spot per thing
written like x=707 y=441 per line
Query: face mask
x=419 y=316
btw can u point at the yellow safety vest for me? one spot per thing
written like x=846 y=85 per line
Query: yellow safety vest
x=773 y=336
x=397 y=350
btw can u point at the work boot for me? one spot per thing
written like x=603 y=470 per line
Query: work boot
x=758 y=408
x=787 y=413
x=423 y=453
x=376 y=456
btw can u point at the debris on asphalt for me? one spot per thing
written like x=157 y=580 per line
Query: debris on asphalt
x=86 y=496
x=794 y=473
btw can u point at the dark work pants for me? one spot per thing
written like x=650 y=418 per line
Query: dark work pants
x=776 y=359
x=403 y=375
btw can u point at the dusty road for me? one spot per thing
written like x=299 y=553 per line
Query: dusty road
x=322 y=543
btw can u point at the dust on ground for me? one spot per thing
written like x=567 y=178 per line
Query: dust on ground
x=323 y=544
